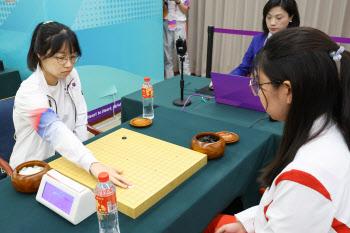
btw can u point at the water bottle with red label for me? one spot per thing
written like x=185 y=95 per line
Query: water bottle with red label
x=106 y=205
x=147 y=99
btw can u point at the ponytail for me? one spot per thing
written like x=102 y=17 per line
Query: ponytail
x=32 y=58
x=345 y=105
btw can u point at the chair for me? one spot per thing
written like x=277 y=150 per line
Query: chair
x=261 y=191
x=7 y=135
x=7 y=132
x=93 y=130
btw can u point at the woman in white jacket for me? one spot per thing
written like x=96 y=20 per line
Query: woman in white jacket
x=50 y=112
x=302 y=78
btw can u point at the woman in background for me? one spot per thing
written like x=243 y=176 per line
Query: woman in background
x=277 y=16
x=50 y=112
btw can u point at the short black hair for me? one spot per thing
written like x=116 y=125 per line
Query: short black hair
x=290 y=6
x=49 y=38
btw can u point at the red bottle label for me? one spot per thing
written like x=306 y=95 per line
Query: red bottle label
x=106 y=204
x=147 y=92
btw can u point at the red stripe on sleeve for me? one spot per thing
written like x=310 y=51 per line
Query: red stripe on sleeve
x=265 y=210
x=36 y=114
x=306 y=179
x=340 y=227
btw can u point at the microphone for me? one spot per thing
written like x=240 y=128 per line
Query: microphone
x=181 y=49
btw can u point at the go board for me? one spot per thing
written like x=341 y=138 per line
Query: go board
x=155 y=167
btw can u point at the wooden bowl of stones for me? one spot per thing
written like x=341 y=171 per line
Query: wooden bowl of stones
x=27 y=176
x=211 y=144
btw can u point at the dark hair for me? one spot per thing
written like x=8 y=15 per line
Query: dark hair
x=290 y=6
x=48 y=39
x=302 y=56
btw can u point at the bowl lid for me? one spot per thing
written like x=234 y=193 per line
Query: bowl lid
x=140 y=122
x=228 y=137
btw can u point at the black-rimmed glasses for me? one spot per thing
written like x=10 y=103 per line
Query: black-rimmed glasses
x=255 y=86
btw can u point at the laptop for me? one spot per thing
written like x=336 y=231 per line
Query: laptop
x=235 y=90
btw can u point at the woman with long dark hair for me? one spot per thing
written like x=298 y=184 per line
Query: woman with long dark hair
x=50 y=112
x=302 y=78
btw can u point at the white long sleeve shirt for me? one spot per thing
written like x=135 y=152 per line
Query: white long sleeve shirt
x=312 y=194
x=174 y=12
x=40 y=131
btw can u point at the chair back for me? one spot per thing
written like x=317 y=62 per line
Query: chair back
x=7 y=132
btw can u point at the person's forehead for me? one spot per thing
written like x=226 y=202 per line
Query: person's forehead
x=262 y=76
x=277 y=10
x=65 y=52
x=65 y=49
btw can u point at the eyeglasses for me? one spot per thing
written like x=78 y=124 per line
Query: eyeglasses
x=63 y=60
x=255 y=86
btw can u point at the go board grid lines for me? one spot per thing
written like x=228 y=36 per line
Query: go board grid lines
x=155 y=167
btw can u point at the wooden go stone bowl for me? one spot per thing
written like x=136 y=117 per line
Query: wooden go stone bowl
x=28 y=183
x=212 y=149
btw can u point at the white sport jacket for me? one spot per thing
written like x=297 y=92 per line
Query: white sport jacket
x=312 y=194
x=39 y=130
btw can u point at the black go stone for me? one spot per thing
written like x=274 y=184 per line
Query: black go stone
x=208 y=139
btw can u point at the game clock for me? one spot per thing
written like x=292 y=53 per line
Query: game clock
x=66 y=197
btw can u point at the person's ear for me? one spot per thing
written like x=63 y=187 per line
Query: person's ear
x=40 y=57
x=291 y=18
x=288 y=91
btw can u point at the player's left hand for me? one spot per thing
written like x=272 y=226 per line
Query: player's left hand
x=114 y=174
x=232 y=228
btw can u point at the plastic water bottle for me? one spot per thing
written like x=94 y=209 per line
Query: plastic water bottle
x=147 y=99
x=106 y=205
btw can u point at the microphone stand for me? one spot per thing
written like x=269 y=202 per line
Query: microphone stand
x=180 y=102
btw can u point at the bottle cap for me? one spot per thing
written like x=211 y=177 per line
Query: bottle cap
x=147 y=79
x=103 y=177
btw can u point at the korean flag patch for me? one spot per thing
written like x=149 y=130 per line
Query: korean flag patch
x=74 y=85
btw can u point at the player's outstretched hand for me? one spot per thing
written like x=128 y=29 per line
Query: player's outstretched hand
x=232 y=228
x=114 y=174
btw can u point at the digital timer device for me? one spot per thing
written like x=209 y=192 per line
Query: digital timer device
x=66 y=197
